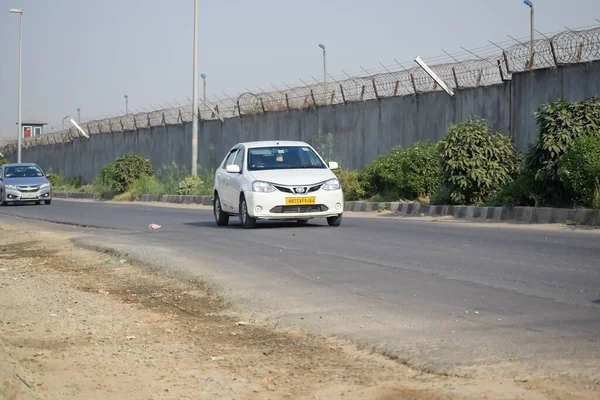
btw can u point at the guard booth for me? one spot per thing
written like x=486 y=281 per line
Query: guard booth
x=32 y=128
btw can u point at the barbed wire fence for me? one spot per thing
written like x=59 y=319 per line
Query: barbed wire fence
x=485 y=66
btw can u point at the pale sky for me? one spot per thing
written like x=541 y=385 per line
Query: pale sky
x=90 y=53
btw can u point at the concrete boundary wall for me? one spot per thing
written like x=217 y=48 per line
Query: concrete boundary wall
x=529 y=215
x=359 y=131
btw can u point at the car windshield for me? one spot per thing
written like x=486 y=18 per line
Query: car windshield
x=23 y=171
x=283 y=157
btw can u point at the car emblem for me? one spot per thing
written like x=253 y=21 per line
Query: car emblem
x=299 y=190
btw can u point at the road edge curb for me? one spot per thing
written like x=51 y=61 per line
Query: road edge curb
x=530 y=215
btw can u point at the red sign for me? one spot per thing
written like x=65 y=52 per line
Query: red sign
x=27 y=132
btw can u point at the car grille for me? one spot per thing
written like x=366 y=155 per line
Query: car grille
x=283 y=189
x=299 y=209
x=309 y=189
x=28 y=189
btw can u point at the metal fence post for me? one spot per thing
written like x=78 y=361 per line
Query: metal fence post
x=342 y=92
x=375 y=89
x=457 y=86
x=506 y=62
x=553 y=50
x=501 y=72
x=414 y=85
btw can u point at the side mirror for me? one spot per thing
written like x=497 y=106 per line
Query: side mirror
x=333 y=165
x=48 y=175
x=233 y=169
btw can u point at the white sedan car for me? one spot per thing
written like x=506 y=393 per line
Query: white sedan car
x=276 y=180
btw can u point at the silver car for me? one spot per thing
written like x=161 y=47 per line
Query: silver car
x=24 y=183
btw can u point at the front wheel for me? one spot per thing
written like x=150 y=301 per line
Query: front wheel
x=47 y=202
x=221 y=218
x=37 y=203
x=247 y=221
x=2 y=201
x=335 y=221
x=302 y=222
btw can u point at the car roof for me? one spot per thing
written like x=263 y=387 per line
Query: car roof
x=271 y=143
x=21 y=165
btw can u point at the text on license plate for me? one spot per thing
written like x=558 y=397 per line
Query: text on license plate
x=292 y=201
x=28 y=196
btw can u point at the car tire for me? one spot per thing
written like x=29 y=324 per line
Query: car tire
x=2 y=201
x=247 y=221
x=37 y=203
x=335 y=221
x=47 y=202
x=302 y=222
x=221 y=217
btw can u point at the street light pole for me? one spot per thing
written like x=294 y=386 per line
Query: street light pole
x=322 y=46
x=126 y=105
x=195 y=96
x=20 y=135
x=529 y=3
x=203 y=76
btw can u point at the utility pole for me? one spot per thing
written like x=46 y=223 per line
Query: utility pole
x=195 y=96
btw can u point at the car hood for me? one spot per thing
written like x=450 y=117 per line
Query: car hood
x=293 y=176
x=25 y=181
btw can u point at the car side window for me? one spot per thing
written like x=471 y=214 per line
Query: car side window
x=239 y=159
x=230 y=158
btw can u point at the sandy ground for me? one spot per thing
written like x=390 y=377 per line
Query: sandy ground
x=75 y=324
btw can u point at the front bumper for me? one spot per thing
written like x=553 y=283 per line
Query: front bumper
x=273 y=205
x=17 y=196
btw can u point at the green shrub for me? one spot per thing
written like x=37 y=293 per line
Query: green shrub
x=475 y=161
x=380 y=177
x=516 y=192
x=3 y=161
x=190 y=185
x=420 y=171
x=579 y=169
x=145 y=185
x=414 y=173
x=170 y=176
x=352 y=185
x=596 y=199
x=441 y=197
x=560 y=124
x=119 y=175
x=126 y=196
x=61 y=184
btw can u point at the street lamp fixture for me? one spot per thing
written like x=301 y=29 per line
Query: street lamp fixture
x=126 y=105
x=20 y=134
x=79 y=115
x=203 y=76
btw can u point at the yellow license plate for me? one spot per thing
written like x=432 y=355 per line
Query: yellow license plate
x=293 y=201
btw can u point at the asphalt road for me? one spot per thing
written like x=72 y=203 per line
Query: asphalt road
x=442 y=296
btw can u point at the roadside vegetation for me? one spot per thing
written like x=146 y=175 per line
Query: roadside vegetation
x=472 y=165
x=131 y=176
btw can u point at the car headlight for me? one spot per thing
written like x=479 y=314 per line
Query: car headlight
x=262 y=187
x=332 y=184
x=44 y=185
x=10 y=186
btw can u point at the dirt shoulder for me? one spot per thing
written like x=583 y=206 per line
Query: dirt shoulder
x=80 y=324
